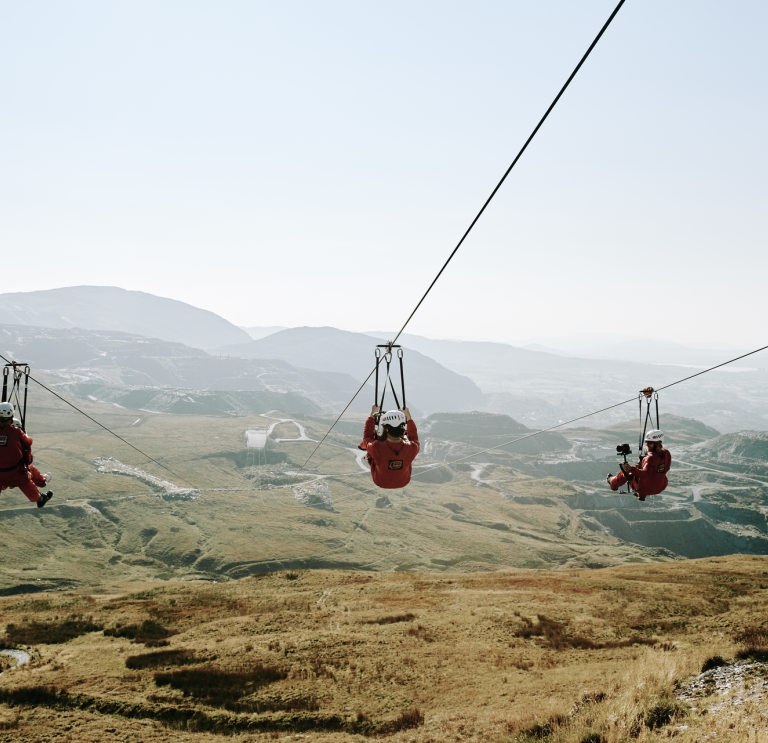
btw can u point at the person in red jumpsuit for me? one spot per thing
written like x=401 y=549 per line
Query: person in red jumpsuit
x=650 y=478
x=15 y=456
x=40 y=479
x=391 y=455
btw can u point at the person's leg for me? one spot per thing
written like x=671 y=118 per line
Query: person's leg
x=37 y=477
x=618 y=480
x=28 y=488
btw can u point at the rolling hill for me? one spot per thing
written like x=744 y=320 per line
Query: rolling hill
x=429 y=385
x=138 y=372
x=112 y=308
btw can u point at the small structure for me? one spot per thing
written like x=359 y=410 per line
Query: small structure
x=256 y=438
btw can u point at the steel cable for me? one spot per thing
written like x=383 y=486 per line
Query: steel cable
x=108 y=430
x=479 y=214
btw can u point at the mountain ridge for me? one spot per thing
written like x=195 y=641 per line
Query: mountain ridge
x=114 y=308
x=429 y=384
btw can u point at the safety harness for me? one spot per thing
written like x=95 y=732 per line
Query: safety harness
x=648 y=394
x=387 y=356
x=20 y=369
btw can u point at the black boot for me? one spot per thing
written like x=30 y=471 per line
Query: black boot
x=44 y=498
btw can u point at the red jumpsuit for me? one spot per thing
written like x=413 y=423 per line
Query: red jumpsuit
x=650 y=478
x=390 y=463
x=15 y=451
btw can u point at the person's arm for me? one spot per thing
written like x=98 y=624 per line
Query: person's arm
x=411 y=430
x=369 y=432
x=413 y=434
x=646 y=465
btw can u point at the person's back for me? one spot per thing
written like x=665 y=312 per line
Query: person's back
x=391 y=459
x=651 y=475
x=14 y=447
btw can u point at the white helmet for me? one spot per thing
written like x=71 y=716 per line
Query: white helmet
x=16 y=422
x=393 y=418
x=6 y=411
x=654 y=435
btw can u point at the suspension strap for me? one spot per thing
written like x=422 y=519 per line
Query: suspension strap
x=388 y=360
x=649 y=394
x=23 y=406
x=391 y=384
x=402 y=376
x=377 y=354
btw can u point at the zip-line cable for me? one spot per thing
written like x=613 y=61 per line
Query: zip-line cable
x=478 y=215
x=108 y=430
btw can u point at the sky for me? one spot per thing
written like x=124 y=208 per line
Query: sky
x=304 y=163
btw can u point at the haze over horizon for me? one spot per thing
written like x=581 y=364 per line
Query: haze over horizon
x=295 y=164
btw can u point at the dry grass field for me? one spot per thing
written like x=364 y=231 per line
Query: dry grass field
x=567 y=656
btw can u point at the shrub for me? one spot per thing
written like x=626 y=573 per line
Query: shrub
x=160 y=658
x=219 y=686
x=755 y=640
x=259 y=706
x=663 y=713
x=393 y=619
x=49 y=633
x=291 y=576
x=714 y=662
x=554 y=634
x=542 y=730
x=406 y=721
x=753 y=637
x=30 y=696
x=149 y=632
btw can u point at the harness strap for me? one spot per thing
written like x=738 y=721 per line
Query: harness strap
x=388 y=359
x=16 y=466
x=397 y=402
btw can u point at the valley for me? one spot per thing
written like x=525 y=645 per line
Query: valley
x=223 y=511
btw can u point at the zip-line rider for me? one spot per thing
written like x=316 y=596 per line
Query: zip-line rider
x=391 y=455
x=15 y=456
x=41 y=480
x=650 y=478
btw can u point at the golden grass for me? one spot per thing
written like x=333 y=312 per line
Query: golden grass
x=343 y=666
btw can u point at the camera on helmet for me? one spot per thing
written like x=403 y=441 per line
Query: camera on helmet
x=622 y=450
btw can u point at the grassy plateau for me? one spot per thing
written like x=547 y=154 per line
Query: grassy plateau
x=610 y=655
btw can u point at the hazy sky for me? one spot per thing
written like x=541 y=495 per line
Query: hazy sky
x=311 y=163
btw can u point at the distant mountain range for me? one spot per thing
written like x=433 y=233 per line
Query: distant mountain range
x=658 y=352
x=540 y=388
x=430 y=386
x=140 y=372
x=112 y=308
x=326 y=365
x=125 y=368
x=262 y=331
